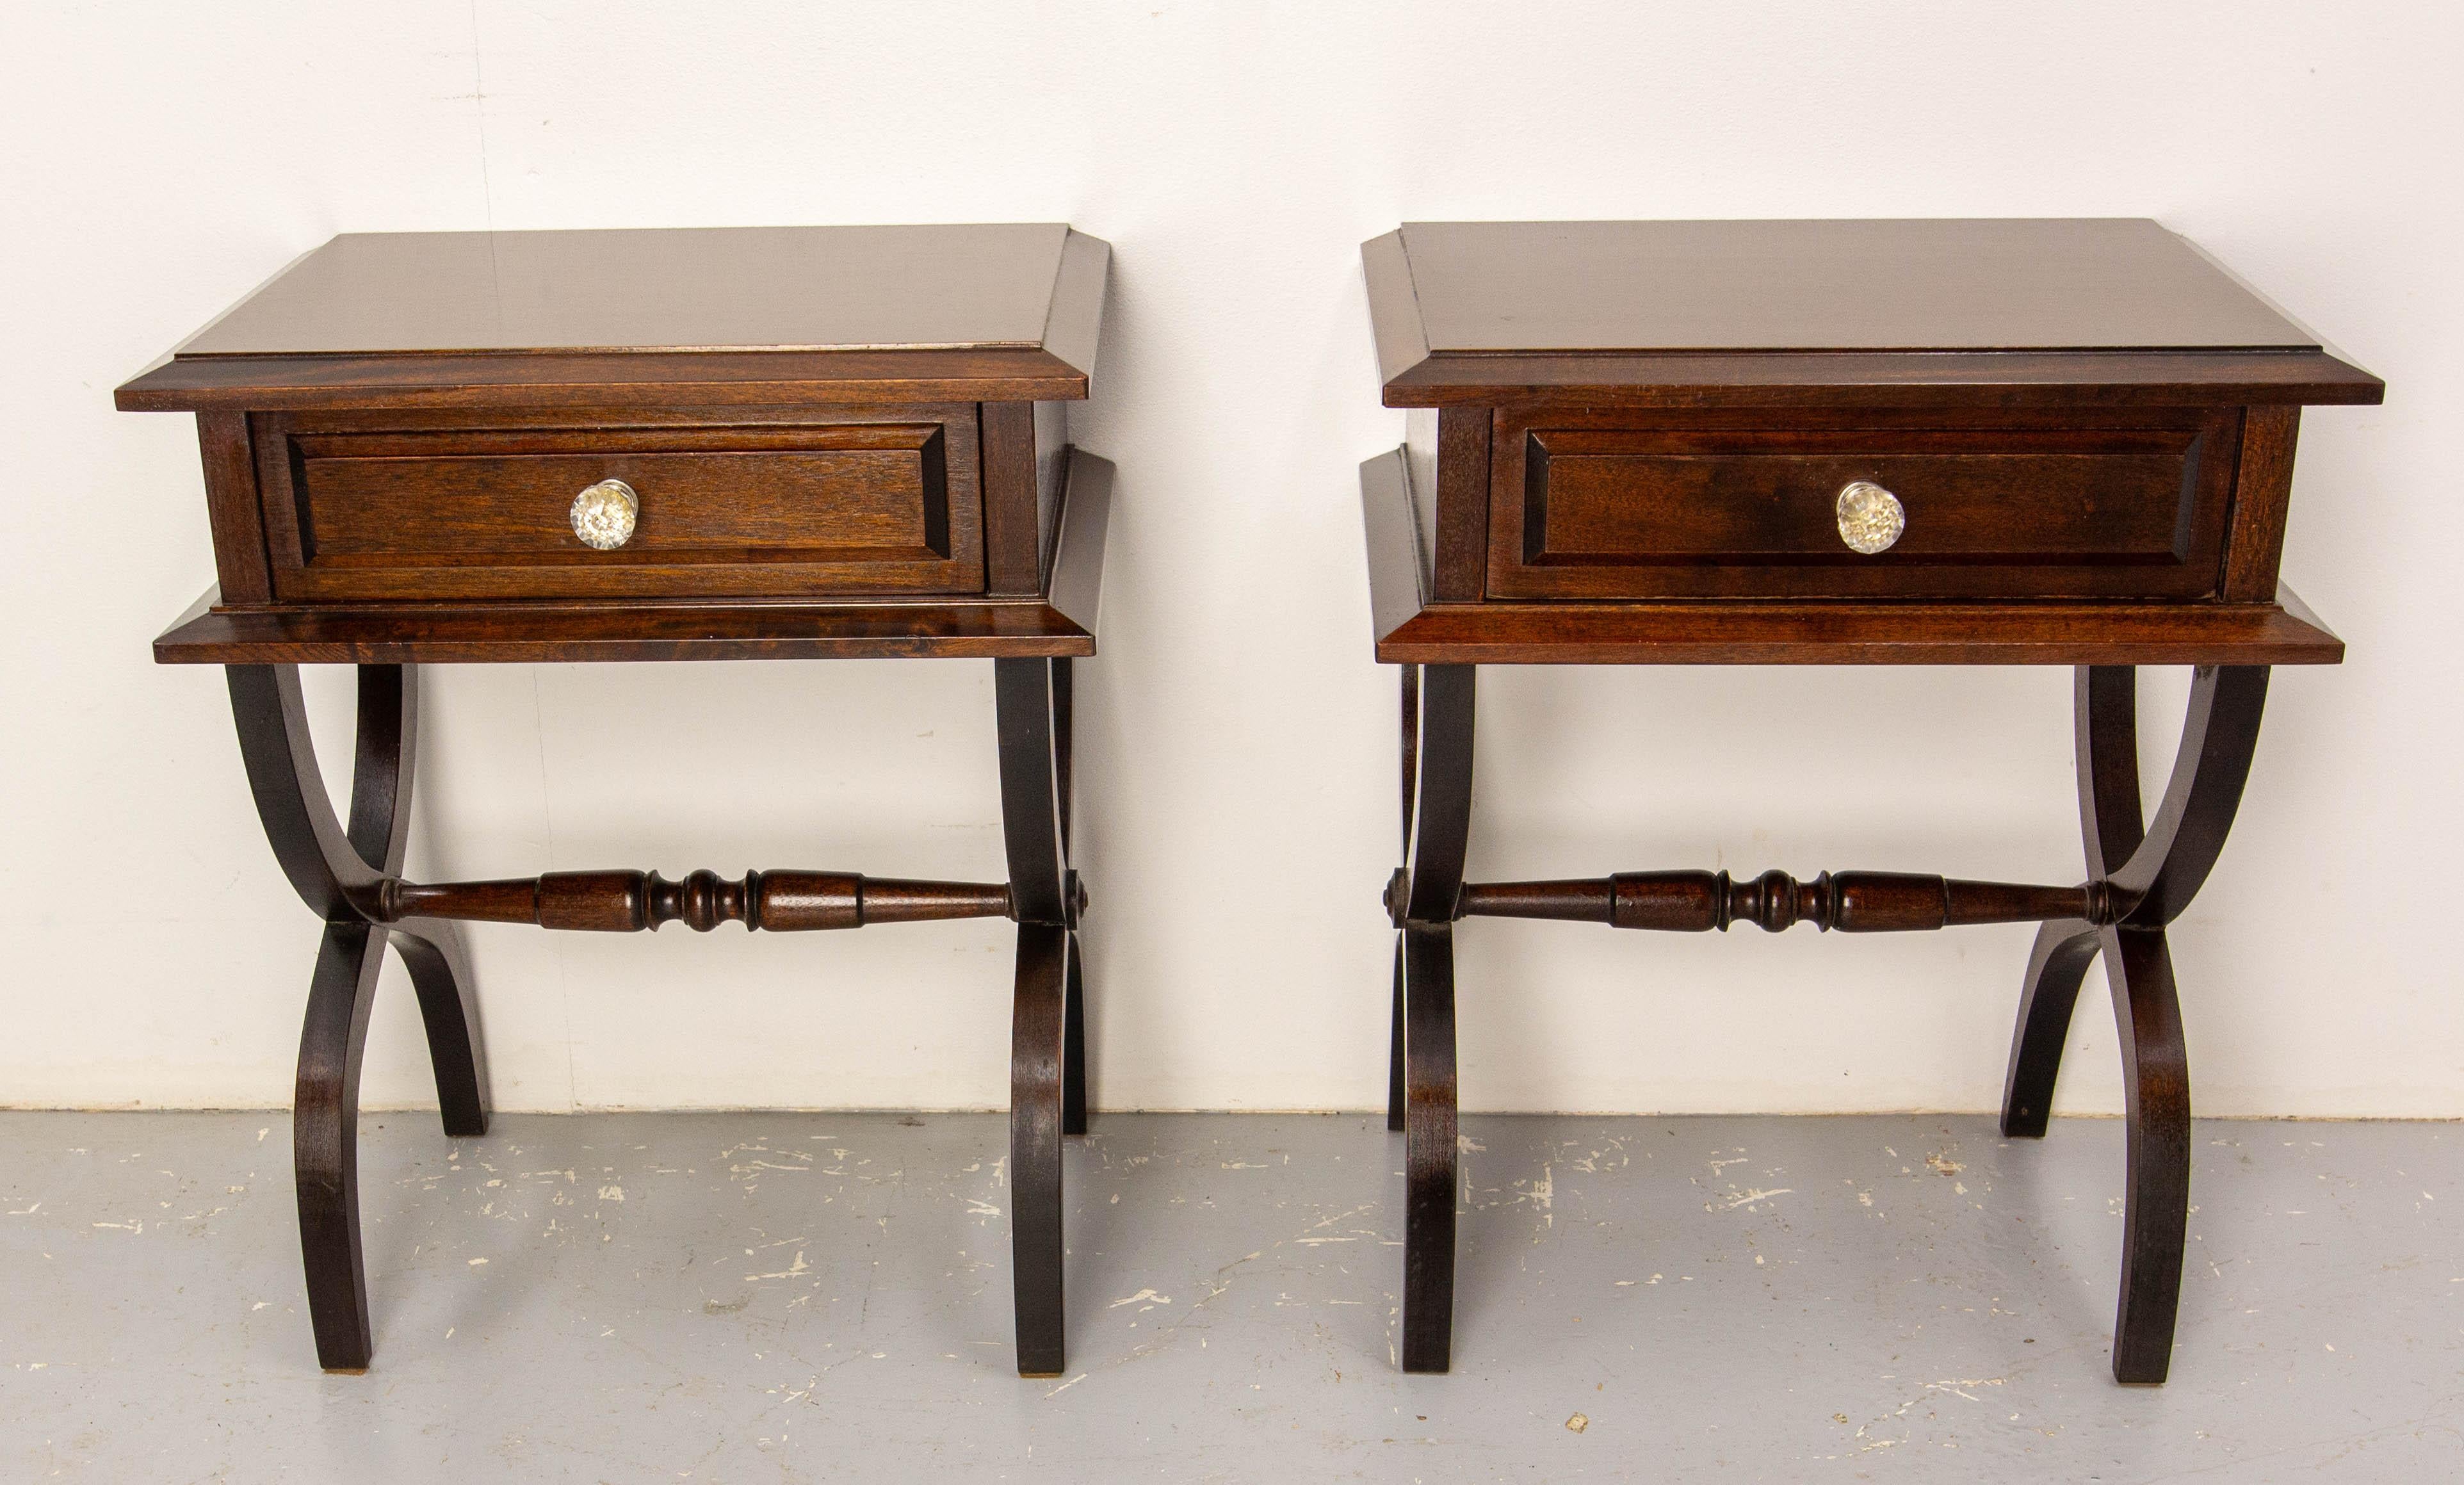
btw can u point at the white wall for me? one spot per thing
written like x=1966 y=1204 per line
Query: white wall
x=1237 y=760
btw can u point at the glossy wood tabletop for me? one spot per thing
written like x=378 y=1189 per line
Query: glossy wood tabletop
x=1909 y=302
x=541 y=312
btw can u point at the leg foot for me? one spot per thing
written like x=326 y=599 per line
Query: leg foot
x=1074 y=1049
x=432 y=950
x=324 y=1143
x=1036 y=1052
x=2156 y=1088
x=1395 y=1048
x=2149 y=869
x=2059 y=962
x=1437 y=762
x=1031 y=705
x=335 y=867
x=1429 y=1148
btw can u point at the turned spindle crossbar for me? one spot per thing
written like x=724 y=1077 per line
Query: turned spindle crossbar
x=2145 y=874
x=1699 y=901
x=631 y=901
x=351 y=875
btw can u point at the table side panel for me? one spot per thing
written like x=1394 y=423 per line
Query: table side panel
x=236 y=521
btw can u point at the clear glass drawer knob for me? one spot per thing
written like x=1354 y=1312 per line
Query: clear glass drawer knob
x=1870 y=517
x=604 y=515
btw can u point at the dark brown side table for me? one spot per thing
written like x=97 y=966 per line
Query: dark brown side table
x=757 y=443
x=1838 y=443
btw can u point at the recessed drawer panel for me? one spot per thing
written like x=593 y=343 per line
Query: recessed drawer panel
x=763 y=506
x=1587 y=505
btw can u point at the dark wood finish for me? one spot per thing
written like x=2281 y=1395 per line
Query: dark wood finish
x=1849 y=902
x=1051 y=432
x=1037 y=1035
x=841 y=502
x=1854 y=634
x=1461 y=560
x=1047 y=1077
x=560 y=633
x=1398 y=887
x=1442 y=799
x=1977 y=381
x=395 y=426
x=1424 y=900
x=1829 y=313
x=658 y=317
x=2156 y=1108
x=630 y=901
x=728 y=288
x=2091 y=428
x=2264 y=495
x=384 y=754
x=1060 y=623
x=1624 y=505
x=1013 y=528
x=2012 y=283
x=240 y=563
x=1429 y=1146
x=1413 y=631
x=844 y=442
x=2150 y=872
x=334 y=868
x=631 y=383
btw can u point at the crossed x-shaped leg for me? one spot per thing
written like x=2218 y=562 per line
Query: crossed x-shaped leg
x=350 y=877
x=2141 y=875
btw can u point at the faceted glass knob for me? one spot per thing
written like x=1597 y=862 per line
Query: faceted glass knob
x=1870 y=517
x=604 y=515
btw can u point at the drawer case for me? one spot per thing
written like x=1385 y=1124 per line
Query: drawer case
x=1593 y=504
x=755 y=502
x=831 y=442
x=1629 y=443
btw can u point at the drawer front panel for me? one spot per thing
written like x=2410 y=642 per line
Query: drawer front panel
x=1586 y=506
x=790 y=505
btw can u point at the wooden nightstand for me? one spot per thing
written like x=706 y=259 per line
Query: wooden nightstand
x=1793 y=443
x=741 y=444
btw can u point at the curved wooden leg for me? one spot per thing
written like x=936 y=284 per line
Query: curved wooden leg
x=1032 y=704
x=1438 y=752
x=432 y=950
x=1036 y=1052
x=1395 y=1080
x=334 y=867
x=1074 y=1047
x=2147 y=871
x=2104 y=722
x=1429 y=1147
x=1411 y=752
x=324 y=1142
x=2064 y=949
x=2156 y=1206
x=1073 y=1070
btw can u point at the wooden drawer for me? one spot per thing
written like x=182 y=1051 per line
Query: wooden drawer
x=759 y=504
x=1594 y=505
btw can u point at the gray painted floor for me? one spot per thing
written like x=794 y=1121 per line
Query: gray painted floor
x=787 y=1298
